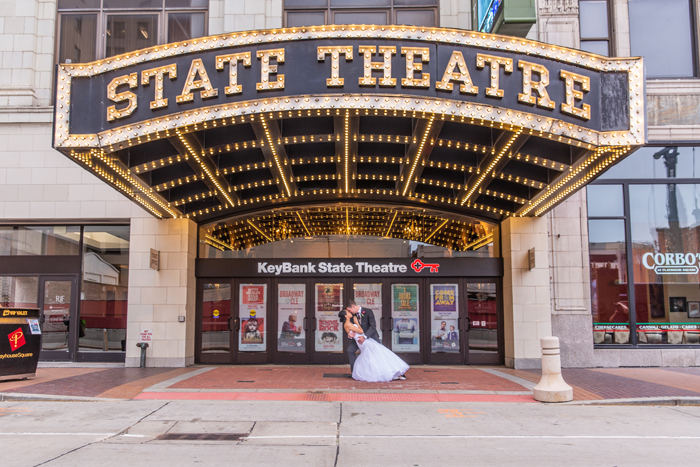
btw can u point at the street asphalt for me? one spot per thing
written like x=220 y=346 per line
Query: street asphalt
x=287 y=434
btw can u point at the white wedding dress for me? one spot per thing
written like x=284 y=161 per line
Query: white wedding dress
x=377 y=363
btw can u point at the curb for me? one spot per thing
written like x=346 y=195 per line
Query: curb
x=17 y=397
x=665 y=401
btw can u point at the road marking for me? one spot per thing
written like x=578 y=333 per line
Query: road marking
x=476 y=437
x=68 y=434
x=451 y=413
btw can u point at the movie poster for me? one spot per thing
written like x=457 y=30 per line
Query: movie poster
x=252 y=310
x=444 y=308
x=370 y=296
x=404 y=313
x=291 y=311
x=329 y=302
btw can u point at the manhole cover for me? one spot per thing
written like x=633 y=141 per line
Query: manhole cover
x=449 y=382
x=245 y=381
x=337 y=375
x=429 y=371
x=202 y=436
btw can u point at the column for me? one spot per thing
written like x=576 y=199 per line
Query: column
x=158 y=298
x=526 y=295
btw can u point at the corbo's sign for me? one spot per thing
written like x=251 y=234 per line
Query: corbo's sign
x=460 y=73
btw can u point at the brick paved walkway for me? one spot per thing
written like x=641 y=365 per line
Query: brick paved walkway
x=329 y=382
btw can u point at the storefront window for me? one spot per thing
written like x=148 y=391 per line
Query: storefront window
x=104 y=292
x=605 y=201
x=658 y=162
x=665 y=223
x=609 y=299
x=19 y=291
x=39 y=240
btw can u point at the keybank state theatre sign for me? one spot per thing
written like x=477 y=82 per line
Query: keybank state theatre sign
x=490 y=78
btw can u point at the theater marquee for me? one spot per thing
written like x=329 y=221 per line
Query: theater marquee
x=580 y=99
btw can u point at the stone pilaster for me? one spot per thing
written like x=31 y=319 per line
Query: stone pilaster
x=526 y=302
x=571 y=281
x=158 y=298
x=455 y=14
x=558 y=23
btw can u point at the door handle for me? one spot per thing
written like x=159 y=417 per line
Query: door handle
x=304 y=325
x=228 y=323
x=314 y=321
x=381 y=324
x=236 y=324
x=468 y=320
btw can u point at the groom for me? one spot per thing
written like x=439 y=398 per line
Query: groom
x=365 y=317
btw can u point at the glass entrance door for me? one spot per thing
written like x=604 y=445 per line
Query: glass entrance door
x=215 y=323
x=329 y=340
x=482 y=323
x=60 y=326
x=464 y=322
x=232 y=322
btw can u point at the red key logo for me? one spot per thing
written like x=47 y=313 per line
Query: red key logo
x=16 y=339
x=418 y=266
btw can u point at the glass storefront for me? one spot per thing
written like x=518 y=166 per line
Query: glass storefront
x=644 y=243
x=104 y=289
x=78 y=277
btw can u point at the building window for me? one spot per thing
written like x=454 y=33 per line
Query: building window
x=662 y=32
x=647 y=209
x=594 y=19
x=94 y=29
x=319 y=12
x=608 y=257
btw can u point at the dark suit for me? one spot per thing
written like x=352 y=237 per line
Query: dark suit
x=369 y=325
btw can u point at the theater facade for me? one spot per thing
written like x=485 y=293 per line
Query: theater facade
x=282 y=172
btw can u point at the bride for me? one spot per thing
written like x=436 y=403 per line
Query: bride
x=376 y=363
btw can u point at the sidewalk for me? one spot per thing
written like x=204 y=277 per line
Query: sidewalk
x=331 y=383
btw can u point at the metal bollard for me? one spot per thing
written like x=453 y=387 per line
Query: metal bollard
x=552 y=387
x=144 y=346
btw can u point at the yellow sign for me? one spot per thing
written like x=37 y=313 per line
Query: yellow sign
x=216 y=313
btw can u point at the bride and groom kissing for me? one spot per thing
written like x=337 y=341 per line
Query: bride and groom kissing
x=375 y=363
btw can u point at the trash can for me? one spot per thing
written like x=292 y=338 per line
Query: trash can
x=20 y=342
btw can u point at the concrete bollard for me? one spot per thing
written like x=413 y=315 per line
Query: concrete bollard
x=552 y=387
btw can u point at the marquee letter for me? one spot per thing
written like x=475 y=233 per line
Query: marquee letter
x=192 y=83
x=171 y=71
x=496 y=63
x=232 y=59
x=112 y=112
x=572 y=95
x=387 y=52
x=412 y=68
x=335 y=51
x=539 y=86
x=266 y=69
x=457 y=61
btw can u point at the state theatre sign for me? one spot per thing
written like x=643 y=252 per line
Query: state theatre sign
x=517 y=89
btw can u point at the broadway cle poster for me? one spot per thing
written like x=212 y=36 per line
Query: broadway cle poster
x=370 y=296
x=291 y=311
